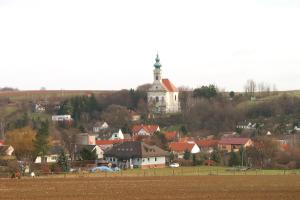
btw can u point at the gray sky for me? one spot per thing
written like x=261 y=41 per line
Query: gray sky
x=93 y=44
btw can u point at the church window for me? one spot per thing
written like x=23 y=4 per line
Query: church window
x=156 y=77
x=162 y=99
x=157 y=99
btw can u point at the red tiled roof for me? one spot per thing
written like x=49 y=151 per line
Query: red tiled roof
x=236 y=141
x=169 y=86
x=181 y=146
x=207 y=143
x=170 y=135
x=148 y=128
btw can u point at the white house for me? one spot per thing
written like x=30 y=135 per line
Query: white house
x=178 y=148
x=100 y=126
x=136 y=154
x=60 y=118
x=162 y=95
x=117 y=136
x=52 y=155
x=6 y=150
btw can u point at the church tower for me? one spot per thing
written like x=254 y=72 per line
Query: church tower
x=157 y=70
x=162 y=95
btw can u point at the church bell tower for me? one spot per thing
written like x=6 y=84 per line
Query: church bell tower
x=157 y=70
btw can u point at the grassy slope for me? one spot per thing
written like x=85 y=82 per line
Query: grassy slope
x=39 y=94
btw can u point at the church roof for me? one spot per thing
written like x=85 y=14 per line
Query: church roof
x=169 y=86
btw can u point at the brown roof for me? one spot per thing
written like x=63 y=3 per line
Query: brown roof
x=135 y=149
x=169 y=86
x=109 y=142
x=236 y=141
x=181 y=146
x=207 y=143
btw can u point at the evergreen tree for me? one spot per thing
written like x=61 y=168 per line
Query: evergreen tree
x=234 y=159
x=62 y=162
x=86 y=154
x=215 y=156
x=41 y=143
x=186 y=155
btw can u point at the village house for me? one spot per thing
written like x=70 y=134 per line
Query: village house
x=92 y=148
x=136 y=154
x=178 y=148
x=85 y=139
x=107 y=144
x=100 y=126
x=52 y=155
x=234 y=144
x=61 y=118
x=39 y=108
x=113 y=135
x=207 y=145
x=246 y=125
x=6 y=150
x=162 y=95
x=171 y=135
x=144 y=130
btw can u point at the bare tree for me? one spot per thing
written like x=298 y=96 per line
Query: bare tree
x=250 y=88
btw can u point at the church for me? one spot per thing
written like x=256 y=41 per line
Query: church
x=162 y=95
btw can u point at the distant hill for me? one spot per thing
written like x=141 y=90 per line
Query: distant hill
x=36 y=94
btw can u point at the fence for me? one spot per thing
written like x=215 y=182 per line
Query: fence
x=181 y=171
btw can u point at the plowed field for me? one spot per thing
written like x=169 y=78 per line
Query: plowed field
x=156 y=188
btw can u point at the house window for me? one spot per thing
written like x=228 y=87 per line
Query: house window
x=148 y=159
x=175 y=97
x=155 y=159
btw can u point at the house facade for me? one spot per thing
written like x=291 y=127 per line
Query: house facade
x=85 y=139
x=136 y=154
x=52 y=155
x=61 y=118
x=162 y=95
x=234 y=144
x=99 y=126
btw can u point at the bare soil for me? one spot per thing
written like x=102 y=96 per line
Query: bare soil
x=156 y=188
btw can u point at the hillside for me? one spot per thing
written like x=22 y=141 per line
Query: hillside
x=39 y=94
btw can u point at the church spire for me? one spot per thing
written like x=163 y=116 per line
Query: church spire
x=157 y=64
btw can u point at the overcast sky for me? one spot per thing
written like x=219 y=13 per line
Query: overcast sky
x=87 y=44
